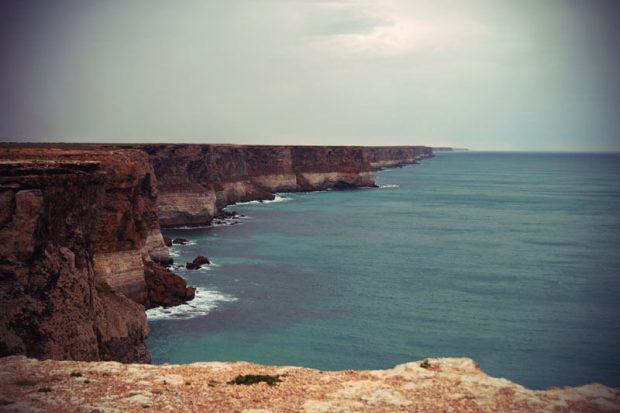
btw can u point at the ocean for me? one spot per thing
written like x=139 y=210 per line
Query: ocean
x=512 y=259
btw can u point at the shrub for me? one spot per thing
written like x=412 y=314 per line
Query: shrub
x=249 y=379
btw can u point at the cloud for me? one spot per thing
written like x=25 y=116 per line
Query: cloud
x=397 y=29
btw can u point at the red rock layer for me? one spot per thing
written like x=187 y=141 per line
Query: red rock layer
x=77 y=228
x=196 y=181
x=80 y=237
x=52 y=303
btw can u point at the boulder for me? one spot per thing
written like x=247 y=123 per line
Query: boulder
x=198 y=262
x=165 y=288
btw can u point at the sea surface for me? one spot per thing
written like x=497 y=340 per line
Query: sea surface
x=512 y=259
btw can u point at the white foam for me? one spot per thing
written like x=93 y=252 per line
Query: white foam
x=192 y=227
x=204 y=302
x=226 y=222
x=278 y=198
x=389 y=186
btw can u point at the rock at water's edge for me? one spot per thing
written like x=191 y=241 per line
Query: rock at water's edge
x=198 y=262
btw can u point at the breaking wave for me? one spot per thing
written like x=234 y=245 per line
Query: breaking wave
x=204 y=302
x=278 y=198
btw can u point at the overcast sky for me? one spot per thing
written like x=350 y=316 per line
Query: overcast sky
x=490 y=75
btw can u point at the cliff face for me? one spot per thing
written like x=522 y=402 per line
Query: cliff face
x=394 y=156
x=196 y=181
x=77 y=229
x=80 y=240
x=54 y=304
x=440 y=385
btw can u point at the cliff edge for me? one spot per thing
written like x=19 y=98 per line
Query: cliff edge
x=81 y=251
x=435 y=385
x=79 y=237
x=196 y=181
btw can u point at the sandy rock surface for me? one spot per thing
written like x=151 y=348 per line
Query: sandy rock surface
x=447 y=385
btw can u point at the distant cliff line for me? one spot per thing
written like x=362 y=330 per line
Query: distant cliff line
x=196 y=181
x=80 y=239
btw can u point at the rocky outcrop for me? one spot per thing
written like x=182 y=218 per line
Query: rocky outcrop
x=164 y=288
x=76 y=230
x=198 y=262
x=53 y=302
x=445 y=385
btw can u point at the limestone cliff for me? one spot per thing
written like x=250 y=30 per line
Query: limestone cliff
x=395 y=156
x=53 y=303
x=196 y=181
x=436 y=385
x=76 y=230
x=80 y=238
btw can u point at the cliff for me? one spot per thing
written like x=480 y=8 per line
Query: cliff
x=394 y=156
x=438 y=385
x=78 y=233
x=80 y=240
x=196 y=181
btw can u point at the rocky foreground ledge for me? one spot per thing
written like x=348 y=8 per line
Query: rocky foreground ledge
x=434 y=385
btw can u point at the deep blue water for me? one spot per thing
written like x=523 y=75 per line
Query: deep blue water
x=511 y=259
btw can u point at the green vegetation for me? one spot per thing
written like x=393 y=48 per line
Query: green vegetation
x=249 y=379
x=76 y=374
x=44 y=389
x=425 y=364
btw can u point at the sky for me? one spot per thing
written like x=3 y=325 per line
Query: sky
x=486 y=75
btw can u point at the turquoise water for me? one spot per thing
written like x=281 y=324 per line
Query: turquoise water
x=510 y=259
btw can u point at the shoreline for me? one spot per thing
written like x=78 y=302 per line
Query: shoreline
x=143 y=386
x=112 y=254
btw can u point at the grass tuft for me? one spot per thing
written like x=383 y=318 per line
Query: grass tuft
x=425 y=364
x=44 y=389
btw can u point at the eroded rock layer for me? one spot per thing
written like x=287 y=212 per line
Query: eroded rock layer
x=53 y=303
x=436 y=385
x=76 y=230
x=196 y=181
x=80 y=236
